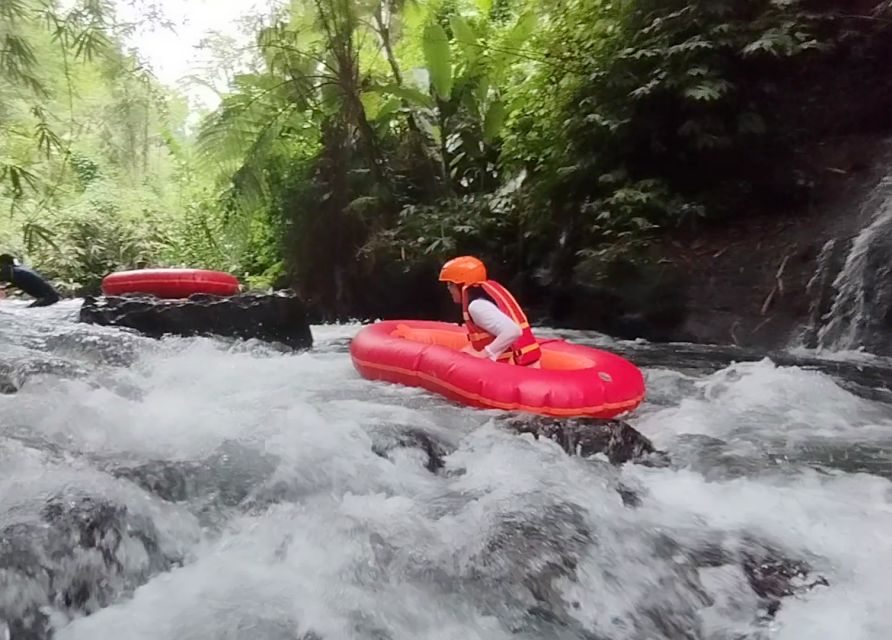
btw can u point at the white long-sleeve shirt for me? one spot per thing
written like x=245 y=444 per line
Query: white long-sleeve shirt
x=491 y=319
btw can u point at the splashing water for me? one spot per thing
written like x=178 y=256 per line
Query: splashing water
x=861 y=312
x=205 y=489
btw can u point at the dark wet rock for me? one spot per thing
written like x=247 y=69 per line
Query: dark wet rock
x=17 y=370
x=385 y=442
x=7 y=386
x=523 y=559
x=586 y=437
x=716 y=459
x=223 y=480
x=673 y=608
x=78 y=557
x=528 y=555
x=110 y=348
x=279 y=318
x=518 y=573
x=773 y=577
x=769 y=572
x=367 y=625
x=629 y=496
x=618 y=441
x=171 y=481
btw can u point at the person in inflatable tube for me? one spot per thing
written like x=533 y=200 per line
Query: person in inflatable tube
x=28 y=281
x=497 y=327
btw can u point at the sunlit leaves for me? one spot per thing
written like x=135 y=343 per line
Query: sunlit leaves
x=17 y=58
x=18 y=177
x=484 y=6
x=47 y=140
x=249 y=119
x=513 y=46
x=438 y=59
x=13 y=9
x=34 y=233
x=465 y=38
x=90 y=43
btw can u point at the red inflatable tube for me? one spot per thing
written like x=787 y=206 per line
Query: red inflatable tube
x=573 y=381
x=170 y=283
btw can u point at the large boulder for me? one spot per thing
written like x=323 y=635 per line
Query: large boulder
x=80 y=554
x=278 y=317
x=616 y=439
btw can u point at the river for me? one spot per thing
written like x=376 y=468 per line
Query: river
x=205 y=489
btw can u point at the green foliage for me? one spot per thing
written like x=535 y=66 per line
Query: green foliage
x=93 y=160
x=438 y=58
x=106 y=229
x=664 y=104
x=471 y=224
x=624 y=119
x=86 y=248
x=565 y=133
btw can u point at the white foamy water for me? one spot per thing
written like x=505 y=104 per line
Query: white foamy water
x=863 y=298
x=244 y=492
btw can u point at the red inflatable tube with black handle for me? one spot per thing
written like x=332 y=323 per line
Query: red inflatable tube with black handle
x=573 y=381
x=170 y=283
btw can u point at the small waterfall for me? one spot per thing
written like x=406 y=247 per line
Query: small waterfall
x=820 y=290
x=861 y=312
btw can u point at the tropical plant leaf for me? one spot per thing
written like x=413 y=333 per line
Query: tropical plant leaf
x=465 y=38
x=371 y=104
x=438 y=59
x=512 y=46
x=413 y=96
x=495 y=118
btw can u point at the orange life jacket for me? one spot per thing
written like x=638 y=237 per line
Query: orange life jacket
x=525 y=350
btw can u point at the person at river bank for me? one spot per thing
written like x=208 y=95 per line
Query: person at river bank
x=497 y=326
x=28 y=281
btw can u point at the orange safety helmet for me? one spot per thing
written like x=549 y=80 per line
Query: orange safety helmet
x=463 y=270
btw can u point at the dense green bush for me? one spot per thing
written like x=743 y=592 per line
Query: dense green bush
x=651 y=114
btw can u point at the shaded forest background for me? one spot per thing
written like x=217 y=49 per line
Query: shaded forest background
x=361 y=142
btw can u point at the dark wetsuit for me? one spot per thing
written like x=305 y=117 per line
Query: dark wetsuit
x=31 y=283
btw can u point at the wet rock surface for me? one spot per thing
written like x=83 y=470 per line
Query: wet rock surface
x=16 y=370
x=223 y=480
x=85 y=553
x=81 y=555
x=402 y=437
x=279 y=318
x=616 y=439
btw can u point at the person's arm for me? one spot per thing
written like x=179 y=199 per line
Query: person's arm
x=488 y=317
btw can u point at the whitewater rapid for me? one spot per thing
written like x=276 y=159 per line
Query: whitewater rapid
x=258 y=493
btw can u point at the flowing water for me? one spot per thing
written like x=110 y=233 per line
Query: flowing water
x=205 y=489
x=860 y=313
